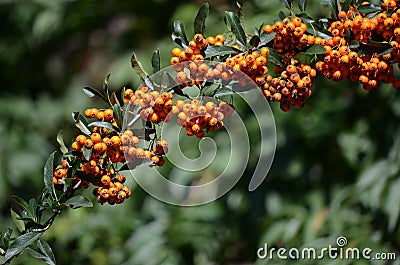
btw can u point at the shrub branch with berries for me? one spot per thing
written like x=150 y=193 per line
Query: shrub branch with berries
x=358 y=42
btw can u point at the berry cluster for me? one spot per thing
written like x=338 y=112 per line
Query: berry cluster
x=155 y=106
x=292 y=87
x=198 y=116
x=191 y=53
x=290 y=36
x=253 y=64
x=97 y=155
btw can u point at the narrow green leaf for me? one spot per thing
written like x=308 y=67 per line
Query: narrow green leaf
x=224 y=91
x=78 y=201
x=48 y=174
x=302 y=5
x=275 y=58
x=155 y=61
x=87 y=152
x=114 y=99
x=236 y=27
x=200 y=20
x=346 y=5
x=286 y=3
x=5 y=237
x=103 y=124
x=16 y=219
x=46 y=249
x=376 y=47
x=254 y=41
x=316 y=49
x=78 y=119
x=33 y=207
x=105 y=88
x=40 y=256
x=266 y=38
x=20 y=244
x=117 y=114
x=281 y=15
x=24 y=205
x=212 y=51
x=240 y=5
x=367 y=9
x=179 y=40
x=179 y=30
x=333 y=6
x=60 y=141
x=91 y=92
x=137 y=67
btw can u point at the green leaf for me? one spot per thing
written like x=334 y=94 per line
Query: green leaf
x=117 y=112
x=46 y=253
x=240 y=5
x=60 y=141
x=200 y=20
x=179 y=31
x=179 y=40
x=20 y=244
x=376 y=47
x=137 y=67
x=266 y=38
x=16 y=219
x=302 y=5
x=24 y=205
x=78 y=201
x=367 y=9
x=212 y=51
x=91 y=92
x=5 y=237
x=87 y=152
x=103 y=124
x=281 y=15
x=316 y=49
x=39 y=255
x=346 y=5
x=333 y=6
x=224 y=91
x=114 y=99
x=78 y=119
x=105 y=87
x=48 y=175
x=155 y=61
x=236 y=27
x=33 y=207
x=275 y=58
x=287 y=3
x=254 y=41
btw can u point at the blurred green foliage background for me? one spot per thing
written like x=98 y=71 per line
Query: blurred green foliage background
x=335 y=173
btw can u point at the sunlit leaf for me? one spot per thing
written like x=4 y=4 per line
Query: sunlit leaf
x=212 y=51
x=78 y=201
x=137 y=67
x=91 y=92
x=179 y=31
x=20 y=244
x=60 y=141
x=103 y=124
x=48 y=174
x=266 y=38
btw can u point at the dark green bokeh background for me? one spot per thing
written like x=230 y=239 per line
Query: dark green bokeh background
x=336 y=170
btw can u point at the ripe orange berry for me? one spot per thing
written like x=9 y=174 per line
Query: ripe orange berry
x=81 y=139
x=95 y=137
x=220 y=38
